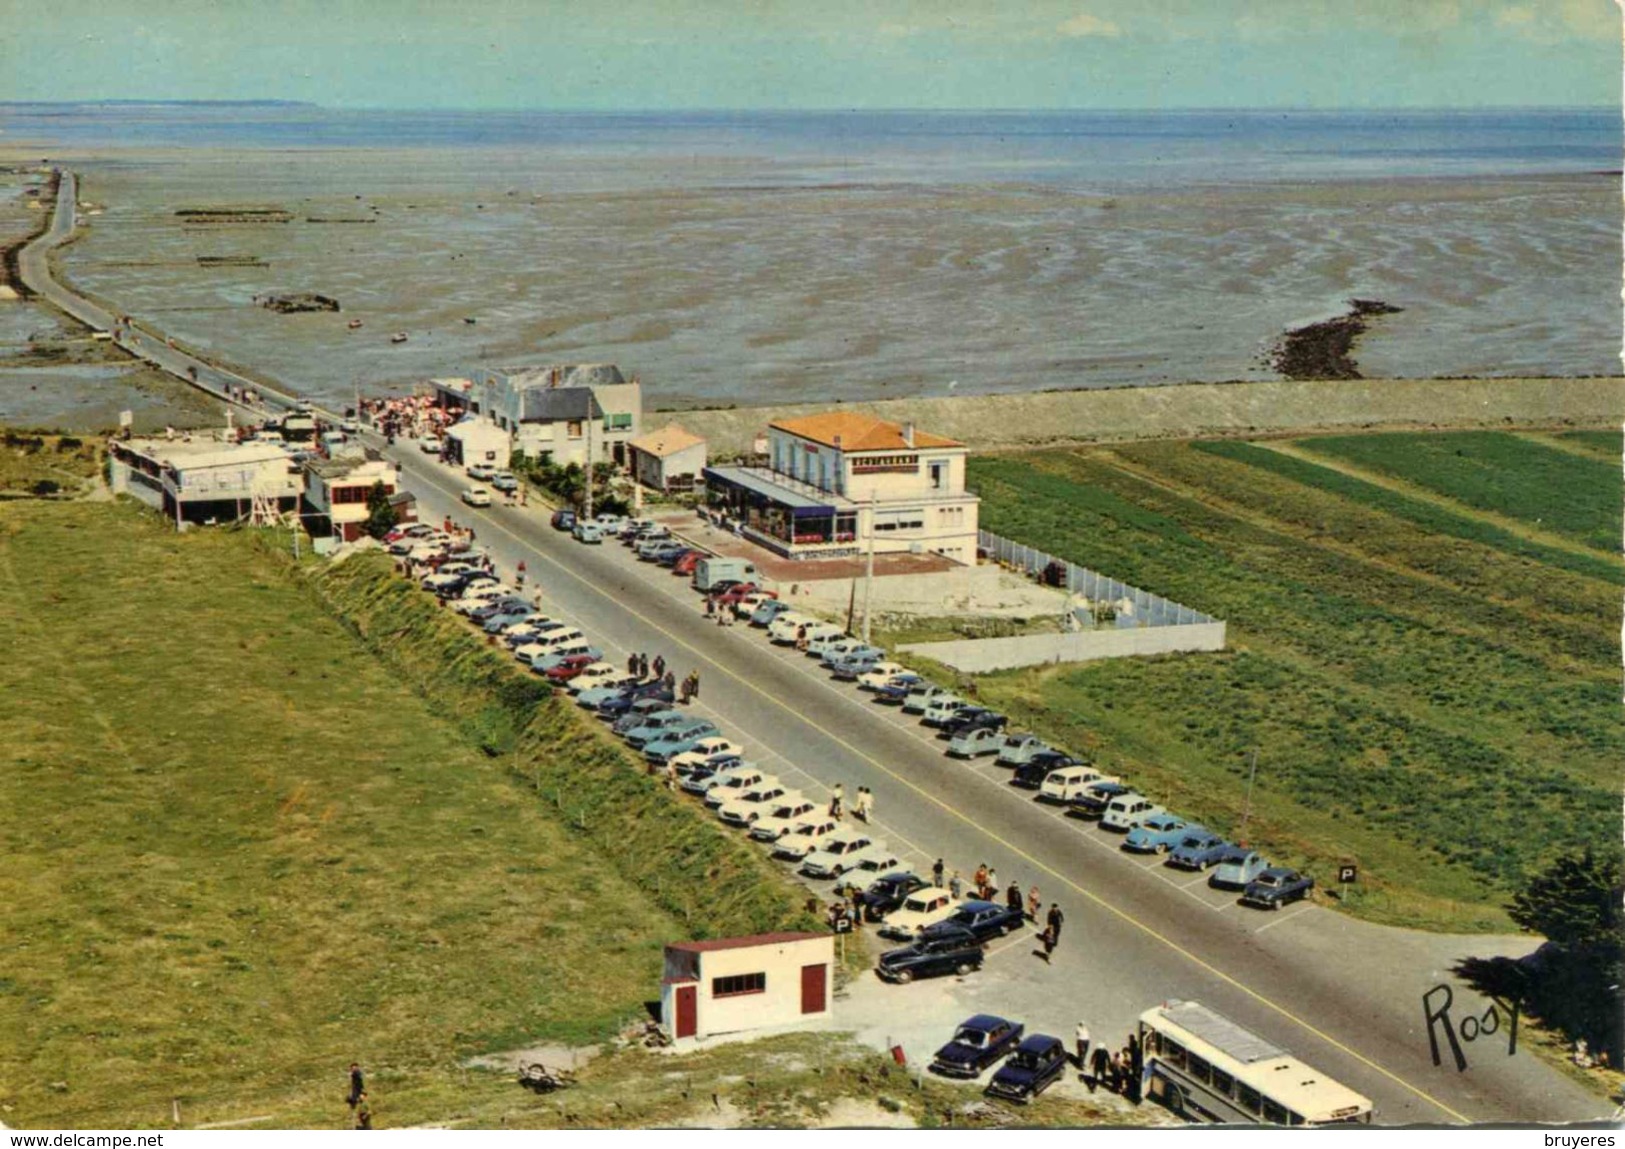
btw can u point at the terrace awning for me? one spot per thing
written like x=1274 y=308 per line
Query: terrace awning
x=800 y=504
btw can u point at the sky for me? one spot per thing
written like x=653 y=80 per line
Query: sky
x=660 y=54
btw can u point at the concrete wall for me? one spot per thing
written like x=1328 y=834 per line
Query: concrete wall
x=983 y=589
x=990 y=422
x=979 y=655
x=780 y=1004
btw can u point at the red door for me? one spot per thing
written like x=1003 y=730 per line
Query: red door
x=812 y=988
x=687 y=1022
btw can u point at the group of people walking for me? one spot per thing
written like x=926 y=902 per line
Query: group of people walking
x=1117 y=1071
x=641 y=666
x=985 y=885
x=863 y=803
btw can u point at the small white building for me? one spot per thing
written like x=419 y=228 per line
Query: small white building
x=559 y=414
x=474 y=440
x=336 y=491
x=730 y=984
x=670 y=459
x=204 y=477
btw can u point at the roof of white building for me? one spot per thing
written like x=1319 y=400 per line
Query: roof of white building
x=746 y=942
x=852 y=431
x=201 y=450
x=667 y=441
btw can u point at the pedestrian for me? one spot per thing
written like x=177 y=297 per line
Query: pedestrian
x=1052 y=929
x=1012 y=897
x=538 y=598
x=955 y=886
x=936 y=874
x=868 y=804
x=1080 y=1043
x=1100 y=1066
x=521 y=572
x=671 y=773
x=358 y=1086
x=670 y=682
x=694 y=684
x=363 y=1113
x=992 y=884
x=837 y=796
x=1034 y=904
x=660 y=666
x=682 y=695
x=632 y=665
x=860 y=804
x=1114 y=1073
x=979 y=880
x=643 y=666
x=1136 y=1066
x=801 y=638
x=710 y=606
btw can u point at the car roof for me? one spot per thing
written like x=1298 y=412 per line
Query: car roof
x=1037 y=1043
x=948 y=930
x=1238 y=854
x=898 y=877
x=1279 y=872
x=983 y=1021
x=978 y=904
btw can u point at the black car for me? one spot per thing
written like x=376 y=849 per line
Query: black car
x=977 y=1043
x=463 y=583
x=1092 y=802
x=500 y=605
x=945 y=951
x=617 y=707
x=972 y=718
x=983 y=919
x=1037 y=1063
x=669 y=559
x=1030 y=775
x=564 y=520
x=888 y=891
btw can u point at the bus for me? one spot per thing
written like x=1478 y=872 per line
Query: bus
x=1205 y=1068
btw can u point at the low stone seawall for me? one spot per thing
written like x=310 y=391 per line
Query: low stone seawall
x=981 y=655
x=1189 y=410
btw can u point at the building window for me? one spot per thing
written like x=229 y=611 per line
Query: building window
x=617 y=422
x=939 y=476
x=572 y=429
x=739 y=985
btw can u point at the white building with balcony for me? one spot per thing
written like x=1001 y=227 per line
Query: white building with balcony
x=558 y=413
x=838 y=481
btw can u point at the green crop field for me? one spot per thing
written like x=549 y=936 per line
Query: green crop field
x=242 y=851
x=1431 y=694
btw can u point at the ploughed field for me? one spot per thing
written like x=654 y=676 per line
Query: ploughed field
x=1423 y=636
x=241 y=853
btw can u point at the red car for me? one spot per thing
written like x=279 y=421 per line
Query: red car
x=736 y=594
x=572 y=665
x=685 y=564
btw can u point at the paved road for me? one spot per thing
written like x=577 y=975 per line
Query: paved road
x=1344 y=995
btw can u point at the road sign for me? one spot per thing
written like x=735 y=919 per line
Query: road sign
x=1348 y=873
x=126 y=418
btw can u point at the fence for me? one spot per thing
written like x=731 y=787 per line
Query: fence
x=1132 y=606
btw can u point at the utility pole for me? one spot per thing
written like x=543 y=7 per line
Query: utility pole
x=869 y=570
x=587 y=506
x=1247 y=806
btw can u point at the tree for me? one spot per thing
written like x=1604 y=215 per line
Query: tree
x=381 y=517
x=1576 y=903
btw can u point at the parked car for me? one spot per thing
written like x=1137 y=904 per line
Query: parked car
x=887 y=892
x=972 y=718
x=858 y=651
x=643 y=710
x=951 y=951
x=1038 y=1062
x=882 y=673
x=609 y=522
x=767 y=612
x=1198 y=850
x=629 y=529
x=597 y=672
x=735 y=781
x=594 y=696
x=1127 y=811
x=745 y=808
x=648 y=533
x=672 y=558
x=986 y=919
x=499 y=622
x=707 y=747
x=493 y=605
x=782 y=629
x=942 y=709
x=546 y=662
x=1034 y=772
x=979 y=1042
x=923 y=696
x=923 y=907
x=746 y=606
x=654 y=694
x=589 y=533
x=684 y=564
x=852 y=667
x=1069 y=783
x=481 y=472
x=974 y=743
x=823 y=635
x=830 y=652
x=1018 y=749
x=1157 y=834
x=568 y=667
x=1237 y=868
x=1096 y=797
x=674 y=740
x=429 y=446
x=650 y=549
x=563 y=519
x=802 y=838
x=877 y=859
x=505 y=481
x=698 y=780
x=896 y=690
x=784 y=815
x=1277 y=887
x=834 y=854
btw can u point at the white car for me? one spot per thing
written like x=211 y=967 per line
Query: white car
x=835 y=854
x=880 y=675
x=1070 y=782
x=942 y=708
x=876 y=860
x=704 y=749
x=1019 y=749
x=593 y=675
x=732 y=783
x=477 y=496
x=822 y=636
x=802 y=838
x=479 y=595
x=743 y=809
x=785 y=814
x=1127 y=811
x=922 y=908
x=923 y=696
x=429 y=446
x=747 y=605
x=610 y=524
x=547 y=644
x=782 y=630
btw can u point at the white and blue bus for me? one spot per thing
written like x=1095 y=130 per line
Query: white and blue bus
x=1206 y=1068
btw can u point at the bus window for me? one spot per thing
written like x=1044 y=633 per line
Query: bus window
x=1247 y=1097
x=1223 y=1082
x=1173 y=1053
x=1199 y=1069
x=1294 y=1118
x=1274 y=1113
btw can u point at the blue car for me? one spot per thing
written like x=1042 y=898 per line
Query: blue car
x=641 y=711
x=655 y=726
x=767 y=612
x=493 y=624
x=1237 y=868
x=606 y=691
x=977 y=1043
x=679 y=740
x=1038 y=1062
x=895 y=692
x=1198 y=850
x=1092 y=802
x=1276 y=887
x=1158 y=834
x=622 y=704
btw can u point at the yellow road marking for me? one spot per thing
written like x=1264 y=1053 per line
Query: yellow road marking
x=1014 y=849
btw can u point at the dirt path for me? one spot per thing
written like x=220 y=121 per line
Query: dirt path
x=1512 y=526
x=1567 y=446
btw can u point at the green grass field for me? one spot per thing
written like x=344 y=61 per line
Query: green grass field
x=241 y=851
x=1431 y=695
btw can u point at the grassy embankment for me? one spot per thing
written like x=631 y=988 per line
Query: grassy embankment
x=64 y=463
x=1428 y=665
x=243 y=851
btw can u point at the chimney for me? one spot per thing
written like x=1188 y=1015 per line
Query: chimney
x=837 y=442
x=908 y=434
